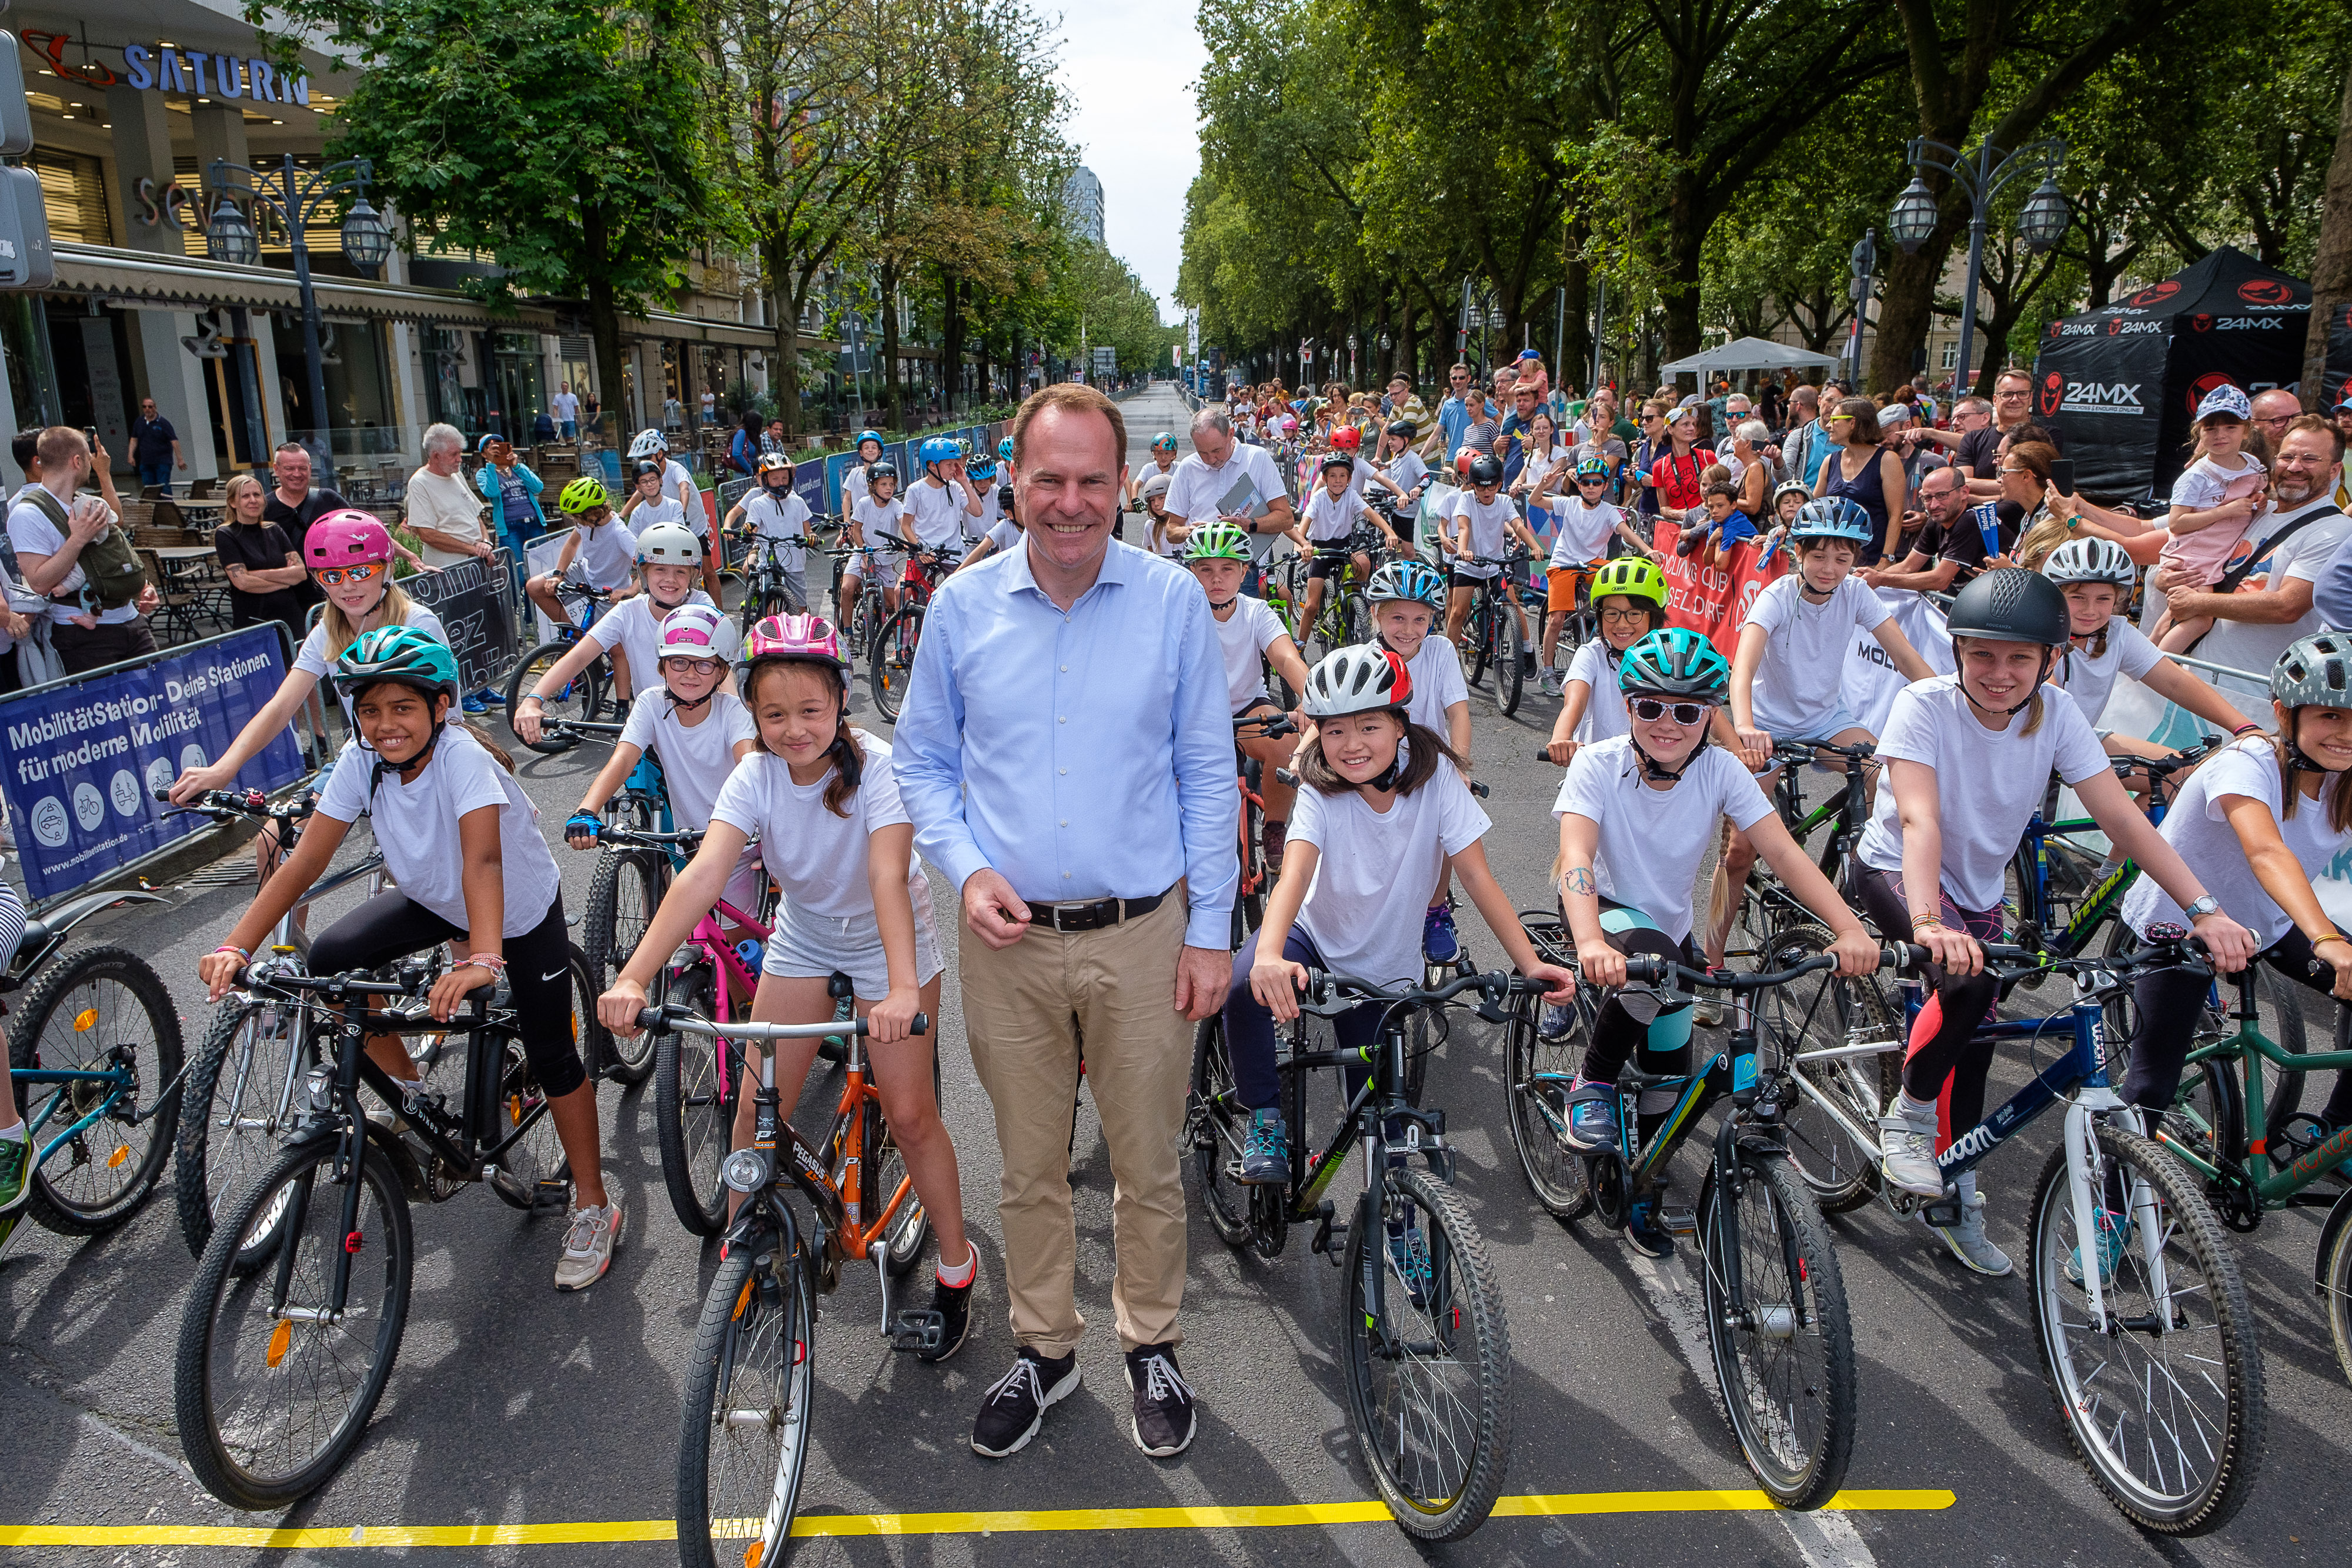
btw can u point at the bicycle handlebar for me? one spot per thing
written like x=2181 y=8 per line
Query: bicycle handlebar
x=1328 y=993
x=688 y=837
x=226 y=803
x=1803 y=750
x=675 y=1016
x=1268 y=726
x=1648 y=969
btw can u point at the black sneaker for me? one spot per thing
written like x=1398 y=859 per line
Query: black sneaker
x=1163 y=1401
x=1014 y=1406
x=953 y=1303
x=1643 y=1232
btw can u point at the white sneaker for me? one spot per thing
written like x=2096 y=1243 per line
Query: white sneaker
x=588 y=1247
x=1907 y=1151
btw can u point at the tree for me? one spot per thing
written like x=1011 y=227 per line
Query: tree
x=2331 y=267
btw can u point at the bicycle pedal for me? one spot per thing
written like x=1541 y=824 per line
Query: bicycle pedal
x=1944 y=1212
x=1678 y=1221
x=919 y=1330
x=551 y=1198
x=1330 y=1234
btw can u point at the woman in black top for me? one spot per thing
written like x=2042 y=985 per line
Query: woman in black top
x=264 y=574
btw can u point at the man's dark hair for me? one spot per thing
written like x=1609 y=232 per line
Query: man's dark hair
x=24 y=446
x=1729 y=492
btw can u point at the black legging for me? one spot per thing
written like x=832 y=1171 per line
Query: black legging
x=1623 y=1029
x=1947 y=1060
x=2168 y=1002
x=1249 y=1027
x=538 y=972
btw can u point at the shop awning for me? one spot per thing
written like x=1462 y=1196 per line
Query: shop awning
x=406 y=302
x=142 y=278
x=703 y=329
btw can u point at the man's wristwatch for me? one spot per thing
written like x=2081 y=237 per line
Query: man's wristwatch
x=2207 y=904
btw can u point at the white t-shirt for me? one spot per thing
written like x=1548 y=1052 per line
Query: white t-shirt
x=2090 y=680
x=1798 y=692
x=635 y=628
x=1375 y=872
x=1330 y=519
x=605 y=554
x=2196 y=828
x=941 y=519
x=696 y=760
x=1437 y=683
x=1486 y=525
x=1988 y=781
x=773 y=516
x=2204 y=483
x=1406 y=470
x=1660 y=834
x=1197 y=493
x=565 y=406
x=1584 y=531
x=818 y=858
x=853 y=487
x=416 y=826
x=32 y=533
x=874 y=518
x=1004 y=534
x=443 y=502
x=313 y=658
x=676 y=477
x=1244 y=637
x=2246 y=645
x=1604 y=711
x=663 y=509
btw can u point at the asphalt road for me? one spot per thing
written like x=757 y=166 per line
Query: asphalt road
x=515 y=1406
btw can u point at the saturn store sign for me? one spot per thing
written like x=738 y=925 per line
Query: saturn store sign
x=168 y=68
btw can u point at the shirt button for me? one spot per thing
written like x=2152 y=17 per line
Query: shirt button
x=1065 y=876
x=1066 y=771
x=1062 y=720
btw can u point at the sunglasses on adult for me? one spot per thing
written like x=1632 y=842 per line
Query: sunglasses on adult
x=1649 y=710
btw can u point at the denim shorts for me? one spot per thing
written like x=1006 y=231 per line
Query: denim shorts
x=813 y=947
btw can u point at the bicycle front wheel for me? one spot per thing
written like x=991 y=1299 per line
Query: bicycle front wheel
x=241 y=1098
x=893 y=659
x=1784 y=1351
x=2162 y=1396
x=879 y=1177
x=623 y=894
x=579 y=699
x=744 y=1437
x=1510 y=668
x=101 y=1010
x=273 y=1385
x=1838 y=1098
x=694 y=1107
x=2335 y=1280
x=1428 y=1356
x=1534 y=1096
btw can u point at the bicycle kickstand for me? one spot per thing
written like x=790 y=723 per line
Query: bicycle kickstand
x=913 y=1330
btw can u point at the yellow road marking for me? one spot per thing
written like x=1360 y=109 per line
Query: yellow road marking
x=1008 y=1521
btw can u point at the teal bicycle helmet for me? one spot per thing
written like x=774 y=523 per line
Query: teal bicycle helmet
x=400 y=653
x=1674 y=663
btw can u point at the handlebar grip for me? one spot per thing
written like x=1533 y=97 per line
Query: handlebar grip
x=1478 y=789
x=1903 y=957
x=653 y=1019
x=1644 y=969
x=1287 y=776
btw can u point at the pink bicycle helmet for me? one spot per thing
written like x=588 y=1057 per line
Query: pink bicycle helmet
x=810 y=638
x=348 y=537
x=690 y=631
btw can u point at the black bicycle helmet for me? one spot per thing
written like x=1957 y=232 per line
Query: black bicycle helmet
x=2013 y=605
x=1485 y=470
x=1404 y=429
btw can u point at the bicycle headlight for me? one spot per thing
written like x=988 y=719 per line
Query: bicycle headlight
x=745 y=1170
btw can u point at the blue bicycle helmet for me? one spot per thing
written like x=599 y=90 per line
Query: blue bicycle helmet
x=980 y=470
x=1004 y=449
x=1832 y=518
x=940 y=449
x=1413 y=580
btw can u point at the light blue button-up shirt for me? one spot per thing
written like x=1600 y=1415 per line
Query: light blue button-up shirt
x=1081 y=755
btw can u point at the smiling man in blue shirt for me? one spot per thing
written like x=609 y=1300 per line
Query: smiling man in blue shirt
x=1067 y=757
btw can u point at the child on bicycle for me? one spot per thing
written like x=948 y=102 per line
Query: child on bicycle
x=871 y=515
x=462 y=839
x=698 y=731
x=1482 y=521
x=1967 y=757
x=942 y=508
x=1629 y=602
x=1588 y=523
x=647 y=503
x=772 y=511
x=823 y=802
x=1636 y=811
x=1251 y=637
x=1168 y=534
x=1333 y=512
x=857 y=478
x=1382 y=820
x=667 y=559
x=2095 y=575
x=602 y=551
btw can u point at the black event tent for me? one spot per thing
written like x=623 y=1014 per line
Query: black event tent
x=2120 y=384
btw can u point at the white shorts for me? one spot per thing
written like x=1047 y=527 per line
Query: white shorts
x=813 y=947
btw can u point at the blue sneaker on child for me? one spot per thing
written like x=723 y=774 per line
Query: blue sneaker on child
x=1438 y=938
x=1266 y=1151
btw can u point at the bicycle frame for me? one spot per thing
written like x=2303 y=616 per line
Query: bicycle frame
x=71 y=1081
x=2274 y=1186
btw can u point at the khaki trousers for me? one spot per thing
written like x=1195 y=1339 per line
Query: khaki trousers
x=1025 y=1009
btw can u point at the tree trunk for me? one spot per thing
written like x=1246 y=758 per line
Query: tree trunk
x=787 y=377
x=1679 y=288
x=888 y=295
x=1575 y=346
x=2331 y=269
x=1408 y=345
x=951 y=343
x=604 y=313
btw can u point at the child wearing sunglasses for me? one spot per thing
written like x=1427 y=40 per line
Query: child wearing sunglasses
x=1637 y=813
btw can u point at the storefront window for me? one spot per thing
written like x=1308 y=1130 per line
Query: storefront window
x=25 y=342
x=359 y=388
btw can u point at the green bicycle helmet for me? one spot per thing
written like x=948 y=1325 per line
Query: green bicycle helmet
x=1219 y=540
x=400 y=653
x=1674 y=663
x=583 y=495
x=1633 y=577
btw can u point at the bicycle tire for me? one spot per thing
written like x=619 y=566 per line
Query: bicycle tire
x=1535 y=1096
x=220 y=1334
x=535 y=1174
x=1510 y=664
x=1215 y=1124
x=1475 y=631
x=893 y=661
x=88 y=1198
x=2095 y=1400
x=743 y=1432
x=1815 y=1012
x=239 y=1077
x=599 y=1051
x=623 y=894
x=582 y=700
x=1425 y=1029
x=879 y=1177
x=2334 y=1278
x=694 y=1108
x=1463 y=1309
x=1787 y=1265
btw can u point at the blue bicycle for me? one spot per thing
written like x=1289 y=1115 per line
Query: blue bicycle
x=584 y=698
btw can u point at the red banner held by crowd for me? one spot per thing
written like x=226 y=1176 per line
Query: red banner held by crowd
x=1709 y=600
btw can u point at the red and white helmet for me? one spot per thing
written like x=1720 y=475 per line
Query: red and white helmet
x=348 y=537
x=810 y=638
x=690 y=631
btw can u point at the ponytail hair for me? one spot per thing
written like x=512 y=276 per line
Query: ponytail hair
x=849 y=756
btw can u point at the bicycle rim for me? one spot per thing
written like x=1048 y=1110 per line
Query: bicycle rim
x=242 y=1095
x=271 y=1397
x=102 y=1009
x=694 y=1119
x=1822 y=1013
x=744 y=1443
x=2163 y=1400
x=540 y=1175
x=577 y=700
x=1536 y=1097
x=1428 y=1379
x=2335 y=1278
x=1510 y=668
x=1215 y=1124
x=1785 y=1361
x=893 y=661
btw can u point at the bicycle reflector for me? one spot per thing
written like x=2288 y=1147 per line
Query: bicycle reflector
x=746 y=1170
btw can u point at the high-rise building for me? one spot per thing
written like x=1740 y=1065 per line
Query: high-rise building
x=1082 y=199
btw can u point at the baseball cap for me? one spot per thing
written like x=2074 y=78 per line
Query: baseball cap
x=1529 y=354
x=2225 y=401
x=2345 y=401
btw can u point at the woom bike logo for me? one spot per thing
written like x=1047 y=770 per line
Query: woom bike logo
x=2155 y=293
x=2100 y=397
x=2053 y=387
x=2267 y=294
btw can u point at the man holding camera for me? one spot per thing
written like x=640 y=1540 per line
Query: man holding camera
x=74 y=551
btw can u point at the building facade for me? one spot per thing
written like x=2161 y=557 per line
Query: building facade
x=1082 y=199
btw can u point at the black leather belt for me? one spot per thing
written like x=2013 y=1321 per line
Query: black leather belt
x=1093 y=913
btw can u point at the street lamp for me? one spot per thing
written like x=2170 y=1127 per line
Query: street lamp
x=229 y=235
x=1981 y=175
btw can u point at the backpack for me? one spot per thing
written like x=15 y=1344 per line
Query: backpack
x=110 y=562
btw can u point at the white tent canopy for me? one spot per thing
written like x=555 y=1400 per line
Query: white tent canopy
x=1748 y=354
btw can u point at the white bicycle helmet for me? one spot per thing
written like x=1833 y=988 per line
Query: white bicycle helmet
x=691 y=630
x=2091 y=560
x=668 y=544
x=1363 y=679
x=647 y=443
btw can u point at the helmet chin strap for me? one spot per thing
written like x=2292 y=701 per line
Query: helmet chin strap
x=2297 y=759
x=1656 y=773
x=1386 y=778
x=1222 y=606
x=679 y=704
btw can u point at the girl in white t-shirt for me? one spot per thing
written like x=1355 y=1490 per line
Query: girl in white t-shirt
x=1585 y=525
x=1635 y=813
x=2258 y=822
x=461 y=839
x=877 y=512
x=1382 y=820
x=1251 y=637
x=823 y=802
x=1967 y=757
x=696 y=730
x=772 y=512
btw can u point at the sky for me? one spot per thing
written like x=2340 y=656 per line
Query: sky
x=1129 y=67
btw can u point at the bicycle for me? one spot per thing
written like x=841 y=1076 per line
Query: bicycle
x=100 y=1032
x=295 y=1313
x=1249 y=900
x=1491 y=635
x=1778 y=1327
x=1764 y=902
x=2149 y=1350
x=768 y=588
x=1409 y=1343
x=893 y=659
x=743 y=1434
x=1343 y=618
x=584 y=697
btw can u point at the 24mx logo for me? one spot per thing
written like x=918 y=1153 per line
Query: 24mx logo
x=2271 y=293
x=2101 y=397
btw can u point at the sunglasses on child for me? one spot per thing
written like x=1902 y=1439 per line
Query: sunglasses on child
x=1649 y=710
x=367 y=572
